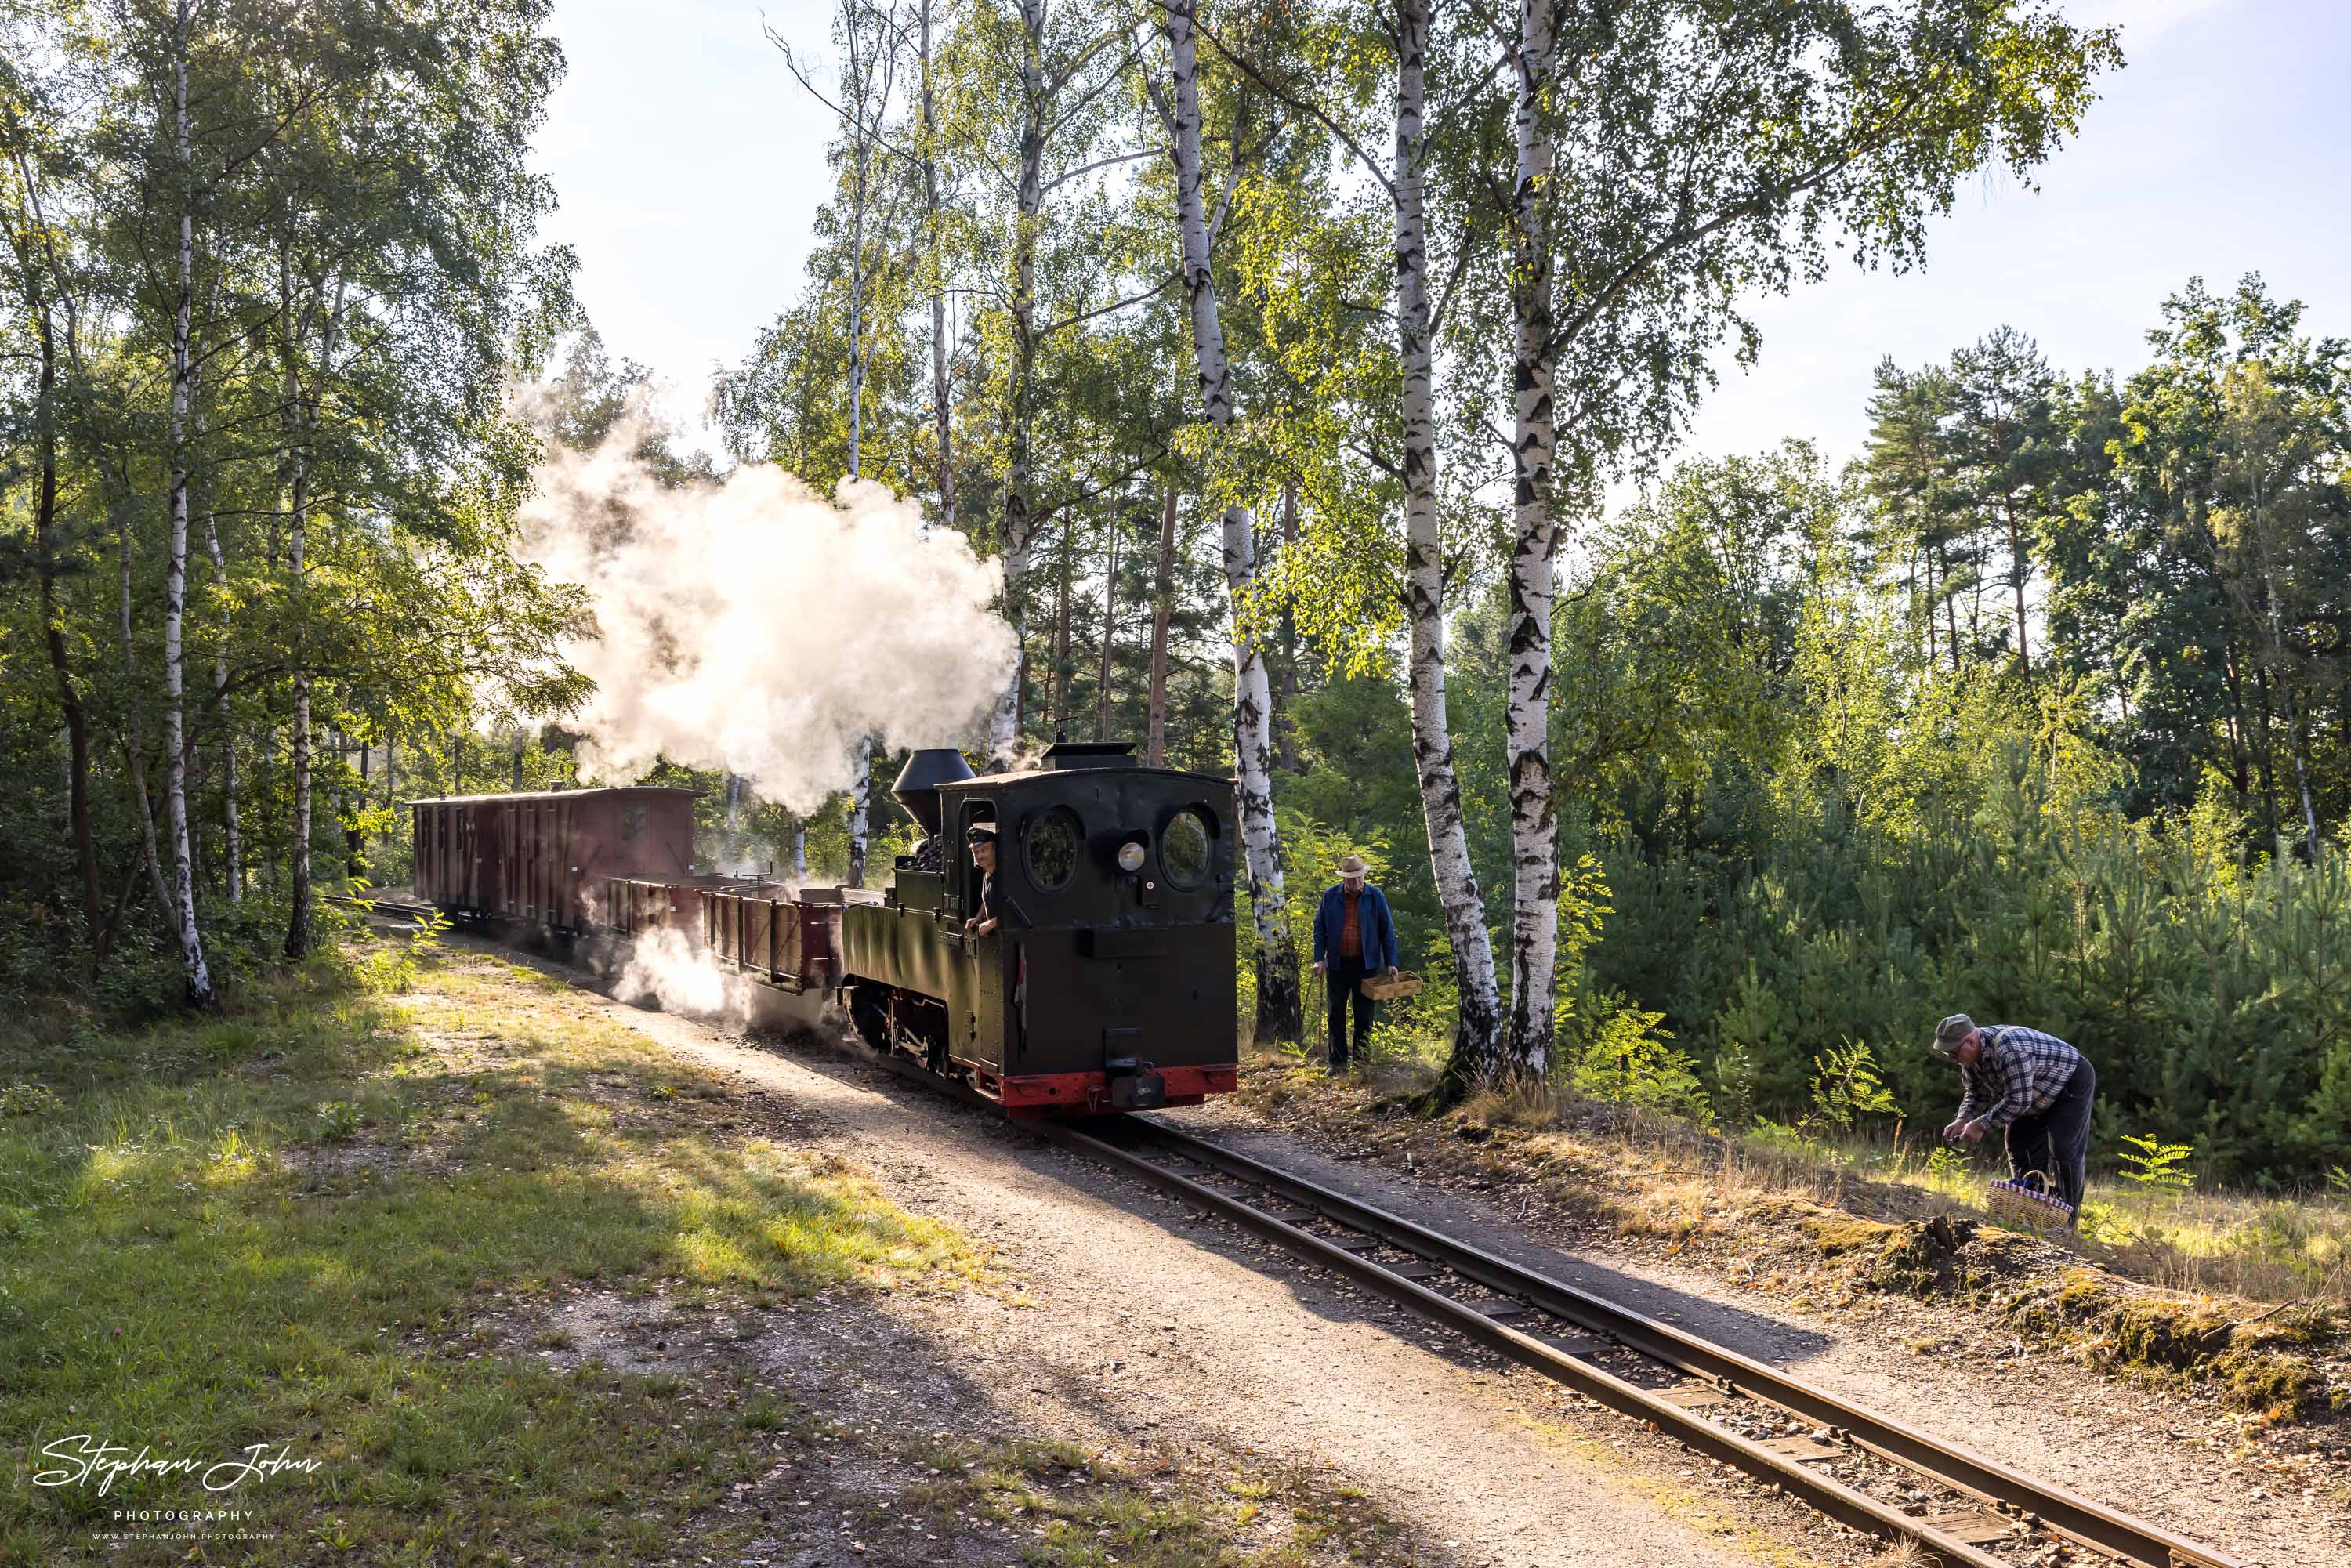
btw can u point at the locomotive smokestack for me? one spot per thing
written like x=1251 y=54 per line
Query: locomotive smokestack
x=917 y=789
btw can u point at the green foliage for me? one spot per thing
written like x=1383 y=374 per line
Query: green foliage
x=2159 y=1170
x=338 y=1121
x=27 y=1100
x=1845 y=1085
x=1629 y=1061
x=1735 y=1073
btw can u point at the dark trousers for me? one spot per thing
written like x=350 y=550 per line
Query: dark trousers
x=2051 y=1149
x=1344 y=977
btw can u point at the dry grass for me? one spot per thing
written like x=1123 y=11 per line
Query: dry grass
x=1673 y=1179
x=2240 y=1295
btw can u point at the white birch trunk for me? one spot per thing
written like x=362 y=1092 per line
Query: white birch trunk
x=1478 y=1034
x=860 y=67
x=1534 y=825
x=1163 y=612
x=298 y=922
x=1278 y=1009
x=235 y=845
x=1004 y=723
x=861 y=801
x=176 y=582
x=940 y=410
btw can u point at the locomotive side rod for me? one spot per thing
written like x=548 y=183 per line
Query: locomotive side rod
x=2036 y=1503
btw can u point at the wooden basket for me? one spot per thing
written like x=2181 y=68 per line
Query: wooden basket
x=1406 y=984
x=2022 y=1205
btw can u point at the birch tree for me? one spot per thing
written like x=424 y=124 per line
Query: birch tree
x=1392 y=96
x=1709 y=152
x=1034 y=95
x=1277 y=1006
x=175 y=592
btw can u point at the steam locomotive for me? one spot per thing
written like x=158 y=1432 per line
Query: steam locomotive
x=1107 y=983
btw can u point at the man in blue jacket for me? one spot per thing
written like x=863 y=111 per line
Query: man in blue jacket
x=1353 y=937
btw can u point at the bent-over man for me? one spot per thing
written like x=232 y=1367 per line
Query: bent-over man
x=1354 y=936
x=2034 y=1086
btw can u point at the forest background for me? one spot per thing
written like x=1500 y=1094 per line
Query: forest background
x=1287 y=362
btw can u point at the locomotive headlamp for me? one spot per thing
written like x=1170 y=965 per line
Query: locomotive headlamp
x=1130 y=856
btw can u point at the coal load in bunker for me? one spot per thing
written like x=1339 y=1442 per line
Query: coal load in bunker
x=1098 y=978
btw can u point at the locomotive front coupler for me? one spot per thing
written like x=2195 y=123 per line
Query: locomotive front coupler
x=1133 y=1086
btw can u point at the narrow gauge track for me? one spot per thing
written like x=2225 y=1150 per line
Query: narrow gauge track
x=1862 y=1468
x=389 y=908
x=1960 y=1508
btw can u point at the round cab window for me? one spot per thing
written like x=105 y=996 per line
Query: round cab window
x=1052 y=842
x=1188 y=848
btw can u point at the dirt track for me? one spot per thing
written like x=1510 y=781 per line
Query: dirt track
x=1142 y=1321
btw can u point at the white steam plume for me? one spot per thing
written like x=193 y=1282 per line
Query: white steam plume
x=752 y=625
x=665 y=968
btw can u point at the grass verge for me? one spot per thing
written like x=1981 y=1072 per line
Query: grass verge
x=244 y=1260
x=1836 y=1218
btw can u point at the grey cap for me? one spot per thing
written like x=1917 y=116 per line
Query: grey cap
x=980 y=832
x=1951 y=1033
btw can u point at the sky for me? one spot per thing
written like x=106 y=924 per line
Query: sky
x=689 y=165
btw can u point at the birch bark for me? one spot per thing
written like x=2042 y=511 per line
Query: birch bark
x=861 y=806
x=1163 y=611
x=1478 y=1031
x=1534 y=824
x=200 y=992
x=1004 y=723
x=940 y=408
x=298 y=499
x=1108 y=632
x=1278 y=1000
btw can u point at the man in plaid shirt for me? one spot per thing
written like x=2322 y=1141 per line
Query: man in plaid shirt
x=2032 y=1085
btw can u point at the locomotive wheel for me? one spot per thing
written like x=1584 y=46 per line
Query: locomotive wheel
x=869 y=1016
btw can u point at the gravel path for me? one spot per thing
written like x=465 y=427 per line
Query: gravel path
x=2169 y=1460
x=1138 y=1319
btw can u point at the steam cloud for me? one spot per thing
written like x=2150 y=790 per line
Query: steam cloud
x=752 y=625
x=665 y=968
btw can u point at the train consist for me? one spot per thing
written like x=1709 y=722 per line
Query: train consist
x=1106 y=983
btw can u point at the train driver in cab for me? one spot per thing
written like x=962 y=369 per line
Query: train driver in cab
x=982 y=839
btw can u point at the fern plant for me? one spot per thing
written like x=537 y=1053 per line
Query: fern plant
x=2160 y=1170
x=1846 y=1085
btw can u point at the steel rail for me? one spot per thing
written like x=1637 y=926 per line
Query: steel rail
x=388 y=907
x=2035 y=1502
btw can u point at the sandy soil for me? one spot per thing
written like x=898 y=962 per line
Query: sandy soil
x=2183 y=1463
x=1135 y=1323
x=1139 y=1322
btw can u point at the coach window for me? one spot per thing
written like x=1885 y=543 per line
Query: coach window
x=633 y=823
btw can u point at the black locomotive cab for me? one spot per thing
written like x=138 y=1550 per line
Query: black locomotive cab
x=1108 y=981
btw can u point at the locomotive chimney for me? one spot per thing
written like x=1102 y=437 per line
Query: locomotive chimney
x=917 y=789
